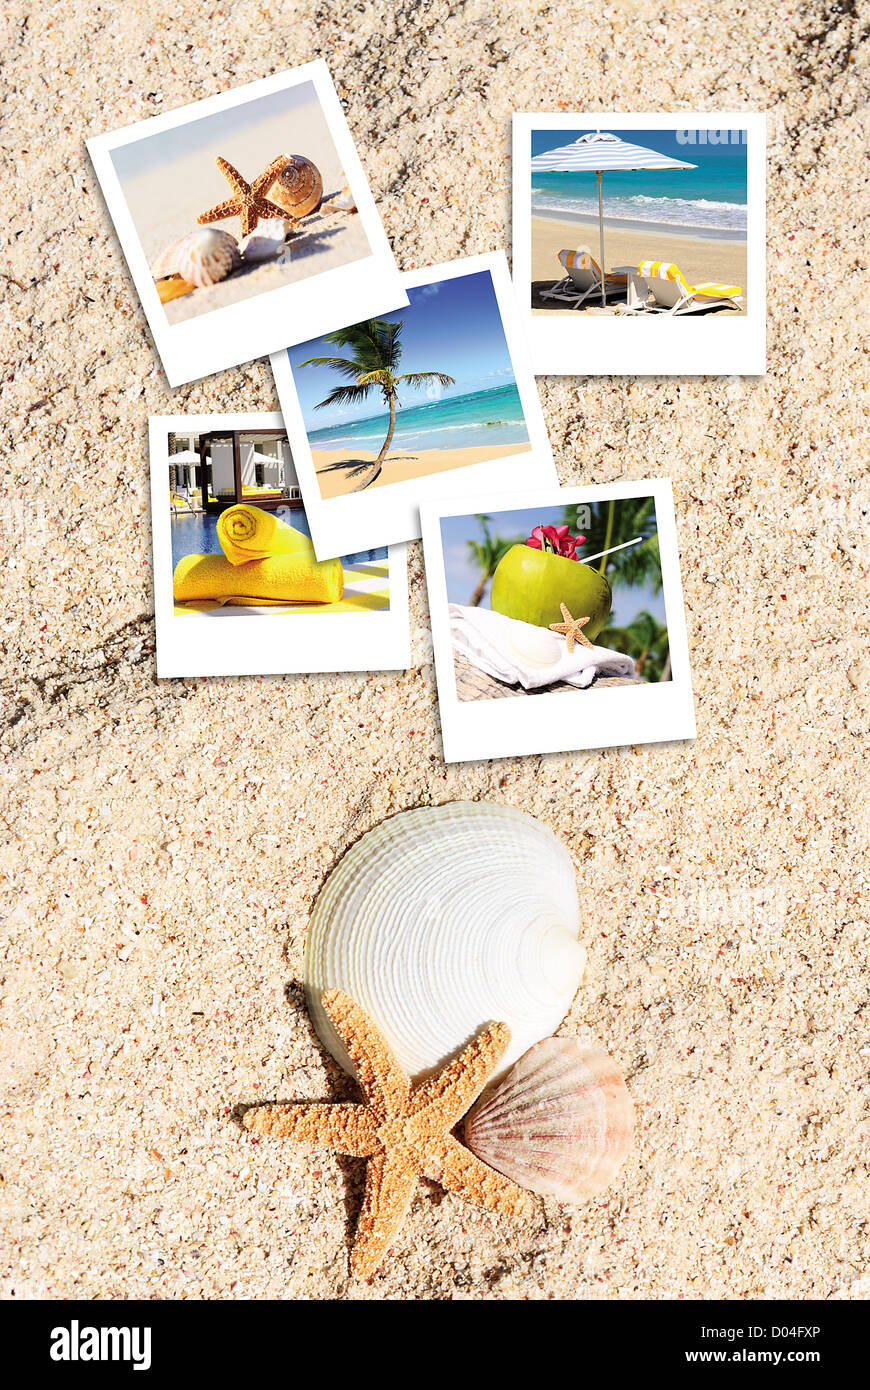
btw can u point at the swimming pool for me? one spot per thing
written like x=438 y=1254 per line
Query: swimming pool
x=197 y=535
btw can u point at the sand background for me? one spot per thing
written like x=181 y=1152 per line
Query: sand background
x=403 y=464
x=164 y=842
x=701 y=259
x=166 y=195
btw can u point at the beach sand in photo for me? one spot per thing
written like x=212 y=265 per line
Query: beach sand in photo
x=701 y=259
x=399 y=466
x=167 y=196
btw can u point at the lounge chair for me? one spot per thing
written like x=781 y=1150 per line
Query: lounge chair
x=658 y=287
x=583 y=278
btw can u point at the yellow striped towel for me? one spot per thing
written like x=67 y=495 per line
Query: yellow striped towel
x=667 y=270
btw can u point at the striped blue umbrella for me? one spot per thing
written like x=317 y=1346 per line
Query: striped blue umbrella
x=598 y=153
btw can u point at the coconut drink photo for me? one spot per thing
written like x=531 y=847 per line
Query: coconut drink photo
x=533 y=581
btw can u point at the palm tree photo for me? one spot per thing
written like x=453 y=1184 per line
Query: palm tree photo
x=487 y=554
x=375 y=353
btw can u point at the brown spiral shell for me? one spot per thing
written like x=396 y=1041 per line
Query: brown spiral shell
x=298 y=188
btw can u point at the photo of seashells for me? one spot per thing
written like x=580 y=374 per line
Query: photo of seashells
x=241 y=202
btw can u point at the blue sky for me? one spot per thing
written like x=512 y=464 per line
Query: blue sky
x=462 y=574
x=451 y=326
x=664 y=141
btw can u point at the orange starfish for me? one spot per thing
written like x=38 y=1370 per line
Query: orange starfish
x=571 y=628
x=404 y=1133
x=249 y=201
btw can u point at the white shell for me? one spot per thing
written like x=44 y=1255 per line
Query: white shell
x=343 y=201
x=202 y=257
x=560 y=1123
x=535 y=647
x=267 y=241
x=444 y=919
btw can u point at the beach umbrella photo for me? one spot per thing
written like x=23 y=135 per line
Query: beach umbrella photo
x=600 y=153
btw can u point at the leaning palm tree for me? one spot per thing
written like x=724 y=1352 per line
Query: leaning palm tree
x=487 y=553
x=376 y=352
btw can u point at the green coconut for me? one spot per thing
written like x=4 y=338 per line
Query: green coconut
x=531 y=585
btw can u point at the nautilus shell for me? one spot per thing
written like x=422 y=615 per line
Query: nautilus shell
x=202 y=258
x=298 y=188
x=267 y=242
x=444 y=919
x=560 y=1123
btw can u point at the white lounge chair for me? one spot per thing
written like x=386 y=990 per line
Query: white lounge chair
x=658 y=287
x=582 y=278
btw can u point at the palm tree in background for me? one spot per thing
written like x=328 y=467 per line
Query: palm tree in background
x=376 y=351
x=644 y=639
x=487 y=553
x=611 y=523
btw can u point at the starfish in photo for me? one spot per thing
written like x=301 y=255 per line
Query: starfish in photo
x=248 y=201
x=571 y=628
x=404 y=1132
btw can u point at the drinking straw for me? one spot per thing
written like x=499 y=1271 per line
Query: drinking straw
x=587 y=559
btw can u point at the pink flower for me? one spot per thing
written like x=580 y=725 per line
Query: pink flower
x=555 y=540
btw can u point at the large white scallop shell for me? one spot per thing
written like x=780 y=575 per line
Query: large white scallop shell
x=444 y=919
x=560 y=1123
x=203 y=257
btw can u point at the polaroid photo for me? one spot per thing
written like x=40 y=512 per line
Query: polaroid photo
x=557 y=620
x=247 y=222
x=638 y=243
x=421 y=403
x=238 y=589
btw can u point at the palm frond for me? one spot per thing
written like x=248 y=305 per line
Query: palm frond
x=420 y=378
x=345 y=365
x=344 y=395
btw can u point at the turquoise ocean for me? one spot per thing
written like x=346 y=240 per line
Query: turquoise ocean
x=707 y=201
x=492 y=417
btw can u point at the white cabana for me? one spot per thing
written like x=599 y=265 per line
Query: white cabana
x=600 y=153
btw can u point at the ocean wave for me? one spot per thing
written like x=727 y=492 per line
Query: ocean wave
x=700 y=212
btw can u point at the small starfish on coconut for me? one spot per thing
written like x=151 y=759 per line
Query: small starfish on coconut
x=571 y=629
x=404 y=1132
x=249 y=202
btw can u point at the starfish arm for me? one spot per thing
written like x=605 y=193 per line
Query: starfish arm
x=231 y=174
x=346 y=1129
x=263 y=182
x=216 y=214
x=459 y=1170
x=444 y=1099
x=385 y=1085
x=266 y=208
x=389 y=1187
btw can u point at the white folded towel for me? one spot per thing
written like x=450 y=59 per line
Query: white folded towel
x=520 y=653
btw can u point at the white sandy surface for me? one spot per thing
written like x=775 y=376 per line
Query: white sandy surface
x=164 y=841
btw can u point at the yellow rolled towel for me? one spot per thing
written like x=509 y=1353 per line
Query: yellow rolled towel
x=280 y=579
x=249 y=533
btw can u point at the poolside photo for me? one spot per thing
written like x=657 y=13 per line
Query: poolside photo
x=238 y=197
x=556 y=609
x=233 y=553
x=389 y=406
x=648 y=220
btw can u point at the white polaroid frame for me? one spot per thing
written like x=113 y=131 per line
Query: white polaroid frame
x=560 y=722
x=245 y=644
x=390 y=513
x=259 y=325
x=652 y=344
